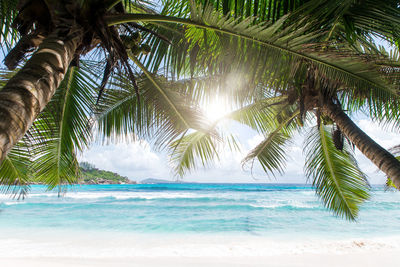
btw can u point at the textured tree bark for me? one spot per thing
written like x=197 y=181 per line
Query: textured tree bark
x=24 y=44
x=384 y=160
x=28 y=92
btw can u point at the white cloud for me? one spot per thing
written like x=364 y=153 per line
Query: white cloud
x=255 y=140
x=293 y=168
x=135 y=160
x=138 y=161
x=377 y=132
x=385 y=138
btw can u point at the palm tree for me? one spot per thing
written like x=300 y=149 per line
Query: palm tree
x=62 y=31
x=307 y=81
x=335 y=174
x=63 y=127
x=276 y=57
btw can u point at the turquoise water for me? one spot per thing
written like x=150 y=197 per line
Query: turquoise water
x=272 y=210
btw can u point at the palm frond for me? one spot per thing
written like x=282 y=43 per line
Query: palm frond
x=354 y=19
x=63 y=129
x=270 y=153
x=116 y=113
x=389 y=183
x=5 y=75
x=272 y=54
x=8 y=35
x=260 y=10
x=121 y=115
x=259 y=115
x=175 y=112
x=192 y=147
x=264 y=10
x=161 y=112
x=15 y=171
x=337 y=179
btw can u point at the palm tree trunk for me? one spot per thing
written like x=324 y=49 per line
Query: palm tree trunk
x=384 y=160
x=29 y=91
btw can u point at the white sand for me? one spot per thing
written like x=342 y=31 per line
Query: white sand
x=116 y=249
x=306 y=260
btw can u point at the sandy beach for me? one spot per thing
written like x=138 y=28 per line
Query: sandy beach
x=355 y=259
x=90 y=249
x=366 y=259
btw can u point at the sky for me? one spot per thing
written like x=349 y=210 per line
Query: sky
x=138 y=160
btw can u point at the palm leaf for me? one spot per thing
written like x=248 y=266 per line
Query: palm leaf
x=190 y=148
x=354 y=19
x=15 y=171
x=337 y=179
x=118 y=114
x=271 y=54
x=259 y=115
x=121 y=115
x=8 y=11
x=264 y=10
x=62 y=129
x=176 y=113
x=162 y=110
x=270 y=153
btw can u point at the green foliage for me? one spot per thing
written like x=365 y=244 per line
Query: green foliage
x=187 y=149
x=15 y=172
x=271 y=151
x=389 y=183
x=118 y=113
x=175 y=114
x=86 y=166
x=277 y=55
x=161 y=111
x=62 y=129
x=354 y=20
x=93 y=174
x=48 y=152
x=8 y=12
x=336 y=177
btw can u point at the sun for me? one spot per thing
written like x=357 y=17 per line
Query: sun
x=216 y=109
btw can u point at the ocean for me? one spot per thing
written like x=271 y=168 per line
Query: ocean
x=181 y=218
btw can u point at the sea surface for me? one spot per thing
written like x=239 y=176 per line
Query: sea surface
x=199 y=213
x=250 y=209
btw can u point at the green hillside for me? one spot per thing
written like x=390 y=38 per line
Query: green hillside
x=92 y=175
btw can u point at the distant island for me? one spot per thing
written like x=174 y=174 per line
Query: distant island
x=89 y=174
x=159 y=181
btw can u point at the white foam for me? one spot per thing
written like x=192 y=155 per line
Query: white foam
x=280 y=204
x=124 y=195
x=12 y=203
